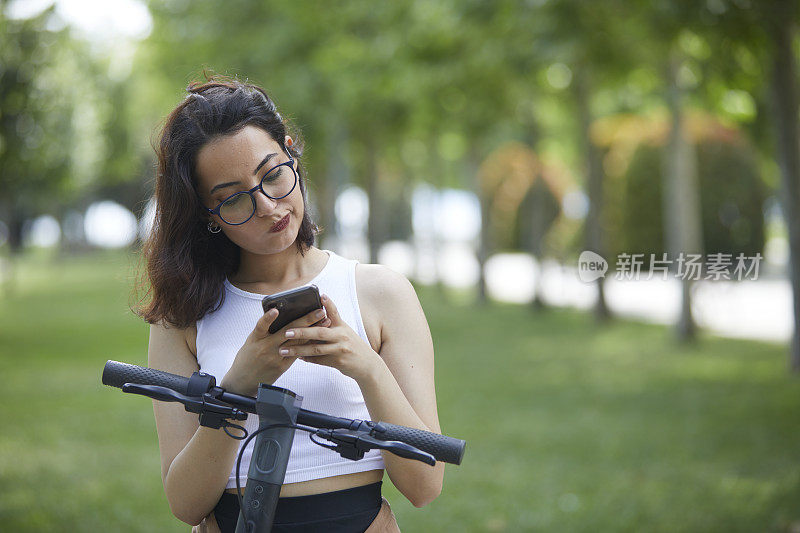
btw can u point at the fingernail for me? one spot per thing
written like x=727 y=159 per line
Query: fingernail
x=284 y=351
x=290 y=334
x=320 y=313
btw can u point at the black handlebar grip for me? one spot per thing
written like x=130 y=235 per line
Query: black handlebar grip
x=116 y=374
x=442 y=447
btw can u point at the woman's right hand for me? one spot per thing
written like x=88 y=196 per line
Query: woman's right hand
x=258 y=360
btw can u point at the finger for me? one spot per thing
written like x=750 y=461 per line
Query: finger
x=330 y=309
x=318 y=359
x=307 y=320
x=313 y=333
x=263 y=324
x=290 y=342
x=295 y=342
x=307 y=350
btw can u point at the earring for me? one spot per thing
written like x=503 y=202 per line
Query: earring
x=213 y=228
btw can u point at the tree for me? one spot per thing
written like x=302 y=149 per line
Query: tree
x=781 y=23
x=591 y=41
x=36 y=123
x=761 y=37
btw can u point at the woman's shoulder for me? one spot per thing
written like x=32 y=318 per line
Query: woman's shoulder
x=170 y=345
x=383 y=287
x=384 y=296
x=165 y=330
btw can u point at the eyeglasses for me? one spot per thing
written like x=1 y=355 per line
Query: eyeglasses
x=277 y=183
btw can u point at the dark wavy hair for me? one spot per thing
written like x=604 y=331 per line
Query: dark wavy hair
x=186 y=265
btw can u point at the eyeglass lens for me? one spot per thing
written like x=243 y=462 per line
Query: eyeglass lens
x=277 y=183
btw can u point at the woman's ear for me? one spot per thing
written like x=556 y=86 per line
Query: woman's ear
x=288 y=141
x=212 y=226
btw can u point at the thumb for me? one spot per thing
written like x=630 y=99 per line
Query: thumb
x=262 y=326
x=330 y=310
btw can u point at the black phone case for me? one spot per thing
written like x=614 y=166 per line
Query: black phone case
x=292 y=304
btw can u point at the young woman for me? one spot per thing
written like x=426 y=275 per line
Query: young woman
x=232 y=225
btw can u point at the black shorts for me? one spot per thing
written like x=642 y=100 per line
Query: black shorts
x=341 y=511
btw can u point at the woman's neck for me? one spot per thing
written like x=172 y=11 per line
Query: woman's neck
x=285 y=268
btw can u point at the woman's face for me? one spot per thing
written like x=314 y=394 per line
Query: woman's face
x=236 y=163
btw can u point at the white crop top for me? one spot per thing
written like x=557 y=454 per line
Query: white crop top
x=221 y=333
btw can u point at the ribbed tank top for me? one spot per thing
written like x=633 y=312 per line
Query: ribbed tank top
x=221 y=333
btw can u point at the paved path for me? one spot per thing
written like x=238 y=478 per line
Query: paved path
x=749 y=309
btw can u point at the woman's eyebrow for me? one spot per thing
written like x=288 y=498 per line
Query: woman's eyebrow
x=223 y=185
x=230 y=183
x=264 y=162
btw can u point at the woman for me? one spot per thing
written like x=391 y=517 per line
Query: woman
x=232 y=224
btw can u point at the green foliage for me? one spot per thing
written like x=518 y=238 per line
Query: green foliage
x=458 y=77
x=391 y=71
x=642 y=227
x=36 y=130
x=732 y=197
x=64 y=124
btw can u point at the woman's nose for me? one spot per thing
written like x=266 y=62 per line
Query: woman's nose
x=264 y=204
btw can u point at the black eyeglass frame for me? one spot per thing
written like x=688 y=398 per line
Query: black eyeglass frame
x=289 y=163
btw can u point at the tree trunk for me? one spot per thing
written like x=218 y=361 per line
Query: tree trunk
x=533 y=212
x=785 y=108
x=594 y=186
x=337 y=176
x=438 y=170
x=15 y=219
x=682 y=216
x=534 y=223
x=375 y=226
x=484 y=238
x=401 y=189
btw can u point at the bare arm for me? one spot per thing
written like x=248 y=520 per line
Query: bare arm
x=196 y=461
x=192 y=492
x=400 y=389
x=397 y=379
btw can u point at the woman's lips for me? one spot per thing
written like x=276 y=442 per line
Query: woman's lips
x=280 y=225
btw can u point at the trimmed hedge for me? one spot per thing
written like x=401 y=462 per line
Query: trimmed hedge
x=731 y=198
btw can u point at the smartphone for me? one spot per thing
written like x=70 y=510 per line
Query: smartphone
x=292 y=304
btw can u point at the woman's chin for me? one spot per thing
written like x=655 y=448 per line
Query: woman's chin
x=273 y=244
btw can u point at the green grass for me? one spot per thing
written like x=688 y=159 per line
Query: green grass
x=570 y=426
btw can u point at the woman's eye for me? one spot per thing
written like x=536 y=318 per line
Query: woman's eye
x=272 y=175
x=236 y=200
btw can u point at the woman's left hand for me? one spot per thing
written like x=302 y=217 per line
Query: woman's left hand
x=337 y=345
x=208 y=525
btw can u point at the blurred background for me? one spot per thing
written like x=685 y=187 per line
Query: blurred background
x=477 y=147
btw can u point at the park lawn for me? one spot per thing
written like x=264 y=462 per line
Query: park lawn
x=569 y=426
